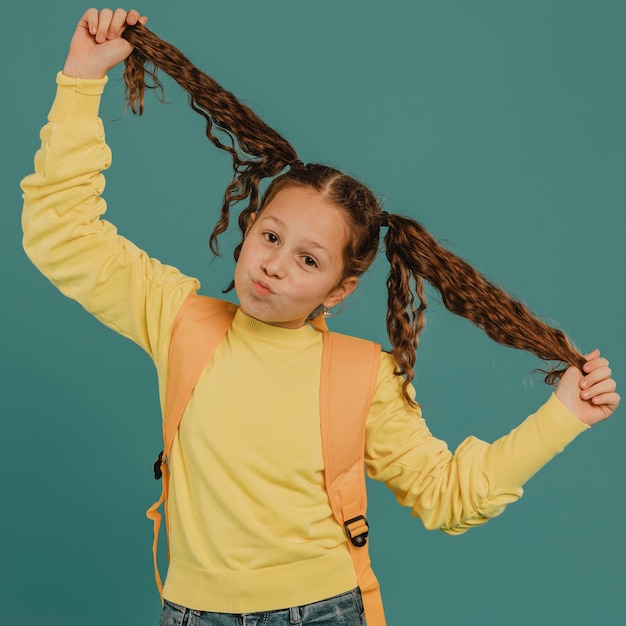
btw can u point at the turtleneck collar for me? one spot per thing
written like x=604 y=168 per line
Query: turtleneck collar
x=295 y=337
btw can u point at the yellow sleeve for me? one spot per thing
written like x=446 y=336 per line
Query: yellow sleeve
x=79 y=252
x=453 y=492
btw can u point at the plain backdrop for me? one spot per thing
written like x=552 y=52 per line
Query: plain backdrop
x=498 y=124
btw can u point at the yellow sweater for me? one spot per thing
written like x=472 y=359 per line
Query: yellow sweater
x=251 y=525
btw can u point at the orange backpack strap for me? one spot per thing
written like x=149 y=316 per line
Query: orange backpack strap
x=200 y=325
x=349 y=374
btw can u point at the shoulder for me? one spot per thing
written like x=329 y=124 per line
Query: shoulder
x=389 y=384
x=198 y=307
x=203 y=314
x=351 y=340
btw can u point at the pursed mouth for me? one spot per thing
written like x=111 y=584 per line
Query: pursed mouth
x=261 y=288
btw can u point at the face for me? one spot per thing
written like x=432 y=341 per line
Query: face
x=291 y=260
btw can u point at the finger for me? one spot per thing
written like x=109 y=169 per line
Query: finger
x=118 y=22
x=104 y=21
x=133 y=17
x=599 y=389
x=608 y=400
x=595 y=364
x=601 y=373
x=90 y=18
x=592 y=355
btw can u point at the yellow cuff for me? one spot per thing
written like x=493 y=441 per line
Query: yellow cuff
x=77 y=99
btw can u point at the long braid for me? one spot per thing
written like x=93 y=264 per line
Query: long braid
x=256 y=149
x=413 y=254
x=405 y=321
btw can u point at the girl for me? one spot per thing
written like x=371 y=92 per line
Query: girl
x=252 y=536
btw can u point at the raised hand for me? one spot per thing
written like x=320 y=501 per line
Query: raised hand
x=590 y=395
x=97 y=45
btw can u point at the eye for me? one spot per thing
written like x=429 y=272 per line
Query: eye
x=309 y=261
x=270 y=237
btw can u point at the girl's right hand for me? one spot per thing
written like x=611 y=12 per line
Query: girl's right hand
x=97 y=45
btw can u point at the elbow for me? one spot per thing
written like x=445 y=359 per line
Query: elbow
x=29 y=249
x=459 y=521
x=32 y=250
x=478 y=518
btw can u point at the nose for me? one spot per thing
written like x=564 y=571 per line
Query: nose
x=274 y=264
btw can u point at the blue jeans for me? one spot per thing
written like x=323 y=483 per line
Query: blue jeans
x=345 y=609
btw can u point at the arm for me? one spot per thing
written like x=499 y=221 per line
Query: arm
x=64 y=234
x=453 y=492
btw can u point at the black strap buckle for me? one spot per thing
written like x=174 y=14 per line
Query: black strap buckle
x=156 y=468
x=360 y=539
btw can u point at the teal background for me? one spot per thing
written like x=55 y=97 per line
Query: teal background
x=500 y=125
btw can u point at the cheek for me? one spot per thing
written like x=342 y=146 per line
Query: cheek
x=312 y=289
x=242 y=269
x=246 y=256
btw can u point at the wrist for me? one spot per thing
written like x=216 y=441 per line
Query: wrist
x=75 y=68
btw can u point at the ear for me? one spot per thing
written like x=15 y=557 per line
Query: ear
x=251 y=219
x=341 y=292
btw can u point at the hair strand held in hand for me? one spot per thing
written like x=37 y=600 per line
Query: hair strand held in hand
x=256 y=149
x=414 y=254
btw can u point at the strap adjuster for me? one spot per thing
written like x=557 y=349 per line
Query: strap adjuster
x=357 y=530
x=156 y=468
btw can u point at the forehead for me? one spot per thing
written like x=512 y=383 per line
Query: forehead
x=305 y=213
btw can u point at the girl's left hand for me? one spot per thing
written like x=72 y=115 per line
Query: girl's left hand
x=590 y=395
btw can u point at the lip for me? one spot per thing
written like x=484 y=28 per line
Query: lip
x=261 y=288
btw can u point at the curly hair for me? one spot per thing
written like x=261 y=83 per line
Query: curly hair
x=258 y=152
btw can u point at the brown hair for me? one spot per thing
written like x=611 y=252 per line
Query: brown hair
x=259 y=152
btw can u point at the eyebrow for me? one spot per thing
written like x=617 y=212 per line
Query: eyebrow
x=309 y=242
